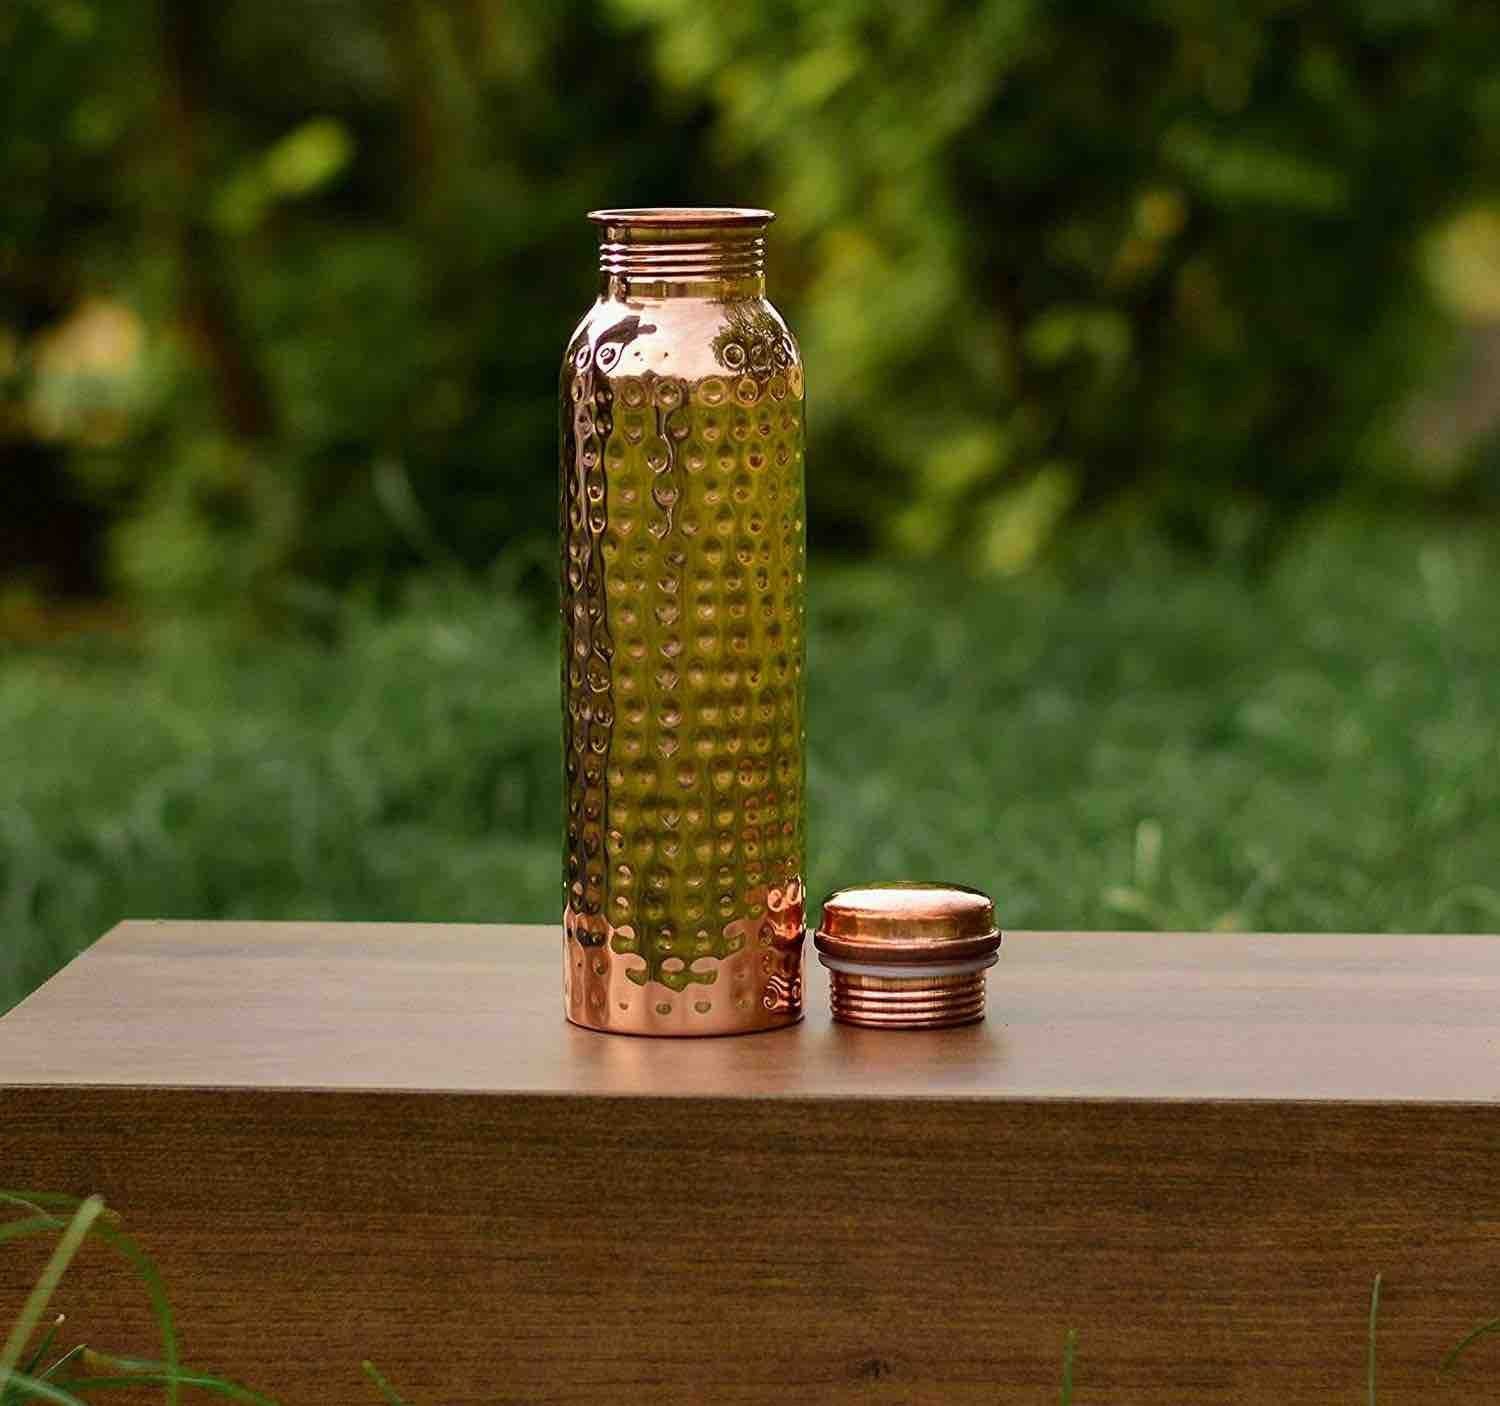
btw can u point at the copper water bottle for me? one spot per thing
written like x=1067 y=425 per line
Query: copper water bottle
x=683 y=609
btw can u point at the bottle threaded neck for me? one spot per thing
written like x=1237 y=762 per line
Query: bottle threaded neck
x=682 y=245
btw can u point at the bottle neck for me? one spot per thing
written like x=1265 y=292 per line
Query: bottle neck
x=649 y=259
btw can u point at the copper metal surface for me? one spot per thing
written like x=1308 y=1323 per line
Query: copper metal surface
x=877 y=920
x=676 y=216
x=683 y=590
x=924 y=1004
x=907 y=956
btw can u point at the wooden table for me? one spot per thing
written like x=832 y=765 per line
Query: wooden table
x=358 y=1140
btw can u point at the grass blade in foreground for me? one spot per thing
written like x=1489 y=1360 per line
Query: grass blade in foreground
x=110 y=1372
x=386 y=1389
x=122 y=1244
x=1370 y=1351
x=47 y=1282
x=9 y=1198
x=51 y=1374
x=215 y=1386
x=1467 y=1341
x=40 y=1350
x=35 y=1389
x=1070 y=1344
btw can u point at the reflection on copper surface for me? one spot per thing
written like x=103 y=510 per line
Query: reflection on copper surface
x=908 y=912
x=757 y=987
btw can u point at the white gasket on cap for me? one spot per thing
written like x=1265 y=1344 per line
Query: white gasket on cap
x=906 y=971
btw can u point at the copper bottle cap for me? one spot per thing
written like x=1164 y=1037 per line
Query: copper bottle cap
x=907 y=956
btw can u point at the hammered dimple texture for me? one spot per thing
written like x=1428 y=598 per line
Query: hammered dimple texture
x=683 y=655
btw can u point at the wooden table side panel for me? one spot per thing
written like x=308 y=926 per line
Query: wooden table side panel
x=566 y=1249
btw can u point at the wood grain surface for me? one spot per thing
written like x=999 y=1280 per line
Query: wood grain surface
x=479 y=1009
x=381 y=1142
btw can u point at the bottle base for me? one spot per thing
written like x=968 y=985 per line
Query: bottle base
x=752 y=990
x=780 y=1022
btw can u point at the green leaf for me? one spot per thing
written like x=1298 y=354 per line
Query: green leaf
x=308 y=157
x=1239 y=172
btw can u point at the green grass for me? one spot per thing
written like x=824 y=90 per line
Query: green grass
x=34 y=1367
x=1132 y=744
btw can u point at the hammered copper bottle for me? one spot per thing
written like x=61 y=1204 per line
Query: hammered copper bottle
x=683 y=634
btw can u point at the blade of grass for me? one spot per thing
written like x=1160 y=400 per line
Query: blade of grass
x=11 y=1199
x=33 y=1225
x=35 y=1389
x=215 y=1386
x=161 y=1306
x=107 y=1370
x=46 y=1284
x=125 y=1246
x=1370 y=1352
x=62 y=1362
x=1070 y=1344
x=1467 y=1341
x=34 y=1361
x=386 y=1389
x=54 y=1201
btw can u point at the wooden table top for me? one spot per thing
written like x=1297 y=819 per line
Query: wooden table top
x=469 y=1008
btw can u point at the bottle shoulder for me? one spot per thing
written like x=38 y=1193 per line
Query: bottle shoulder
x=679 y=336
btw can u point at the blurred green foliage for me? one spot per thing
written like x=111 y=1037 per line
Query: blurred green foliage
x=1146 y=746
x=283 y=286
